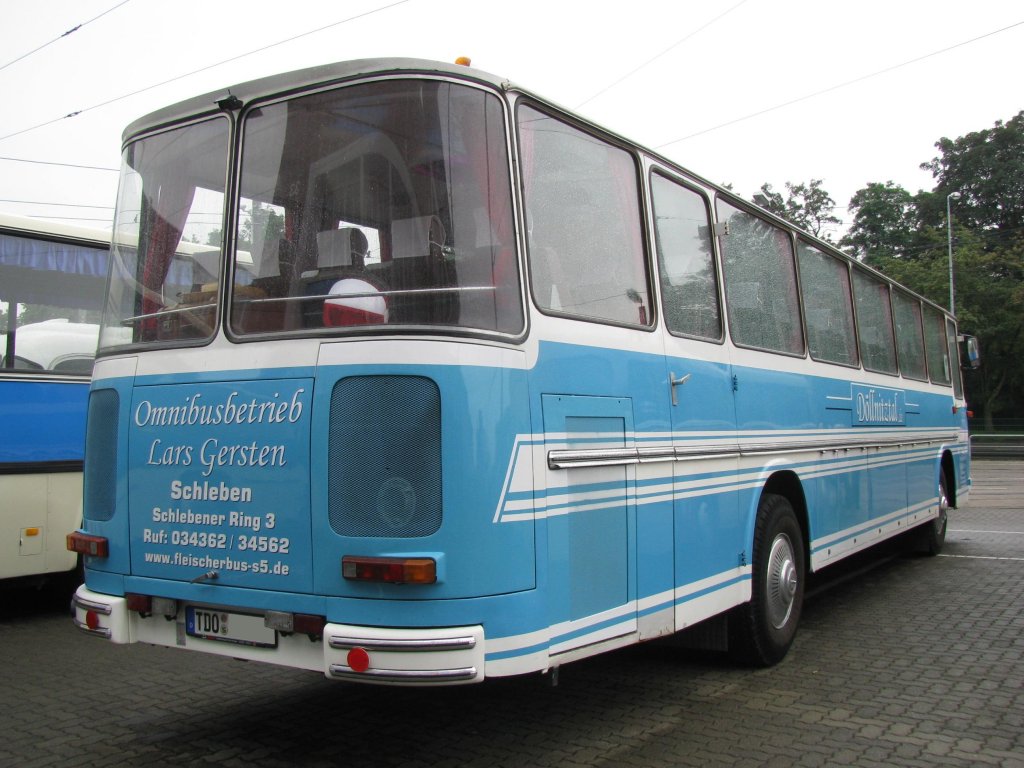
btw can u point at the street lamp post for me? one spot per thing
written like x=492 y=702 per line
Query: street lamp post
x=949 y=237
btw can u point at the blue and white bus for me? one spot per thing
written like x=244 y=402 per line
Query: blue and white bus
x=472 y=387
x=52 y=286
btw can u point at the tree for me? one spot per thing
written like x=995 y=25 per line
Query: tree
x=987 y=169
x=807 y=206
x=884 y=222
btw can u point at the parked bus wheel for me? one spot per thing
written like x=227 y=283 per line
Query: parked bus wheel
x=761 y=631
x=930 y=537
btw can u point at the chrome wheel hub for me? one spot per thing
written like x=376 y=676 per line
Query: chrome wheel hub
x=782 y=581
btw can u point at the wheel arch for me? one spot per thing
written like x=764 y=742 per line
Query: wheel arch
x=787 y=483
x=947 y=468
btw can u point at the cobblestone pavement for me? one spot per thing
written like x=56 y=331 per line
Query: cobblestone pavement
x=906 y=661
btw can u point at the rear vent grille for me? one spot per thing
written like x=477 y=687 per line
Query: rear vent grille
x=384 y=453
x=100 y=476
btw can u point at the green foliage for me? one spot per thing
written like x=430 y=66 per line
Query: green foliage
x=884 y=222
x=986 y=168
x=807 y=206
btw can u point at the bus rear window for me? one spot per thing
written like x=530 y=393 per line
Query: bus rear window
x=384 y=204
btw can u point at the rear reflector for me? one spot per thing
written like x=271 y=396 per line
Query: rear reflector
x=358 y=660
x=86 y=544
x=391 y=570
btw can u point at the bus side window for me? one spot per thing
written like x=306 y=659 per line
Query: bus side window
x=828 y=306
x=584 y=225
x=910 y=337
x=689 y=283
x=874 y=323
x=936 y=346
x=760 y=283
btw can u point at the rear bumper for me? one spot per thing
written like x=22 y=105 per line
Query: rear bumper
x=447 y=655
x=380 y=655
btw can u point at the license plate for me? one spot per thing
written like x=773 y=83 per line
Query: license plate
x=239 y=628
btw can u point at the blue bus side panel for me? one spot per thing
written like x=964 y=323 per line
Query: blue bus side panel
x=42 y=421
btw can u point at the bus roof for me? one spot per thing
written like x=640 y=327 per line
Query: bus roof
x=52 y=229
x=300 y=79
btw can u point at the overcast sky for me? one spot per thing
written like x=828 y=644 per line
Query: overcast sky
x=738 y=91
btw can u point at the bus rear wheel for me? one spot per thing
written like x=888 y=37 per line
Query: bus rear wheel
x=930 y=537
x=761 y=631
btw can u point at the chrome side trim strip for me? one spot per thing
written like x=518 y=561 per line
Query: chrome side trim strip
x=610 y=457
x=404 y=675
x=340 y=642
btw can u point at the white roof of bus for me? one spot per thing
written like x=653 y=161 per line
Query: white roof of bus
x=52 y=228
x=48 y=342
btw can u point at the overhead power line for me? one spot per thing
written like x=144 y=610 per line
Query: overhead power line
x=61 y=37
x=203 y=69
x=66 y=218
x=844 y=84
x=63 y=165
x=659 y=55
x=61 y=205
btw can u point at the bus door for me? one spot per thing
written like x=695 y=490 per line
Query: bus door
x=706 y=534
x=708 y=528
x=591 y=518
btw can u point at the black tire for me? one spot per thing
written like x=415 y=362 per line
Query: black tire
x=930 y=537
x=761 y=631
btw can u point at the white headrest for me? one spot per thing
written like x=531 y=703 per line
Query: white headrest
x=334 y=247
x=412 y=237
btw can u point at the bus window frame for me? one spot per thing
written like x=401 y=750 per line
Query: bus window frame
x=228 y=195
x=845 y=262
x=926 y=308
x=878 y=278
x=232 y=217
x=895 y=292
x=643 y=210
x=778 y=224
x=667 y=174
x=10 y=229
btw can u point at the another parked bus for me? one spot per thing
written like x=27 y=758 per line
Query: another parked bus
x=52 y=279
x=476 y=388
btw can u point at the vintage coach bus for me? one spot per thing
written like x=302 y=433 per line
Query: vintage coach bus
x=472 y=387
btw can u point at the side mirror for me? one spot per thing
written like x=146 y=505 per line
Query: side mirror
x=970 y=352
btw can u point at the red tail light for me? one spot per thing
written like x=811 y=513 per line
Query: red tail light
x=390 y=570
x=86 y=544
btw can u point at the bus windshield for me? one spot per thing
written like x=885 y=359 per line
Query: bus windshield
x=381 y=204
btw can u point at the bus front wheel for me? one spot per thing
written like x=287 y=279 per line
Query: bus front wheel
x=761 y=631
